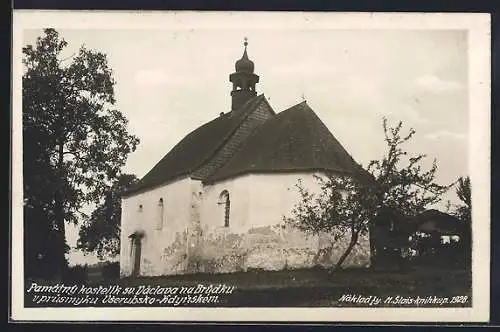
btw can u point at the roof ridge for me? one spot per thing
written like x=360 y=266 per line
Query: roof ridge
x=257 y=99
x=303 y=104
x=267 y=102
x=178 y=162
x=295 y=139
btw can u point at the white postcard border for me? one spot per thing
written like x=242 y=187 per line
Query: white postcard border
x=478 y=26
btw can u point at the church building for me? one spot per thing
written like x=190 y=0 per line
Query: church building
x=215 y=203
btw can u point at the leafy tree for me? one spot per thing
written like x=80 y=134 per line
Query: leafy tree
x=464 y=213
x=75 y=142
x=394 y=188
x=463 y=190
x=101 y=231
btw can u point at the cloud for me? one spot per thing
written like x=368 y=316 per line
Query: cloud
x=150 y=77
x=445 y=134
x=434 y=84
x=406 y=113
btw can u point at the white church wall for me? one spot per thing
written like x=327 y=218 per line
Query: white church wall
x=213 y=209
x=255 y=200
x=271 y=246
x=274 y=195
x=194 y=238
x=256 y=237
x=293 y=248
x=158 y=239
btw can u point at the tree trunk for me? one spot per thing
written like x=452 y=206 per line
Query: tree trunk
x=60 y=237
x=373 y=247
x=352 y=243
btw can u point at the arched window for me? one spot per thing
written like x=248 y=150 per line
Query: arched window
x=159 y=217
x=226 y=204
x=140 y=208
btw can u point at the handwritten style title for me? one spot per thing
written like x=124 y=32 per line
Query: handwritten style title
x=139 y=295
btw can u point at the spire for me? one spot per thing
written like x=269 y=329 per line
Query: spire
x=244 y=65
x=245 y=44
x=243 y=80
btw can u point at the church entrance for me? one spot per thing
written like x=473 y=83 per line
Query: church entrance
x=137 y=256
x=135 y=253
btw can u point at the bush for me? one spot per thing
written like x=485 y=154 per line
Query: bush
x=111 y=270
x=76 y=274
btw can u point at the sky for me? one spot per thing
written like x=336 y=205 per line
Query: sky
x=169 y=82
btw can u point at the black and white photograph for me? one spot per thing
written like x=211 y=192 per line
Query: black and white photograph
x=237 y=166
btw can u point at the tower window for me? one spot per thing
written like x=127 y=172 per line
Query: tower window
x=140 y=208
x=226 y=205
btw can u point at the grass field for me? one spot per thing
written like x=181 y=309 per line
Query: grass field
x=319 y=287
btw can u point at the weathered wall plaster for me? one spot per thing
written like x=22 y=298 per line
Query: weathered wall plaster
x=193 y=237
x=158 y=242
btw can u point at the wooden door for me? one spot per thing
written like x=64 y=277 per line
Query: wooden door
x=137 y=257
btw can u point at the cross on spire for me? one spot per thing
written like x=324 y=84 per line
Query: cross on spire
x=245 y=41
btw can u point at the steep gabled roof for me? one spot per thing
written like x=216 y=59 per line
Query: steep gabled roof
x=194 y=150
x=294 y=140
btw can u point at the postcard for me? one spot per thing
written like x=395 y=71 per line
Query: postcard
x=250 y=166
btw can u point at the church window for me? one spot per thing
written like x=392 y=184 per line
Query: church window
x=159 y=218
x=226 y=205
x=140 y=208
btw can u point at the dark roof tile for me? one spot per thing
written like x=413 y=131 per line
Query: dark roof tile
x=295 y=139
x=196 y=148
